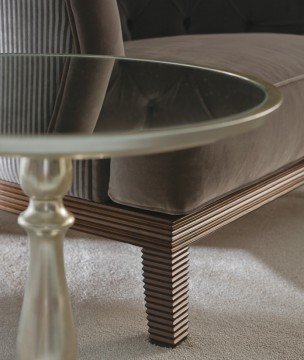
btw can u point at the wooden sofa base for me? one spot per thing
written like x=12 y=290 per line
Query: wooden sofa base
x=165 y=241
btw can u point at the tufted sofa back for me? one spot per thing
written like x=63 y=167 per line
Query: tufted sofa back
x=156 y=18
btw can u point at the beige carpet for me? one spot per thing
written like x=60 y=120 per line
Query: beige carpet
x=246 y=291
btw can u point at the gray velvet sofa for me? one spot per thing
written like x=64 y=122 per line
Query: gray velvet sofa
x=183 y=182
x=165 y=202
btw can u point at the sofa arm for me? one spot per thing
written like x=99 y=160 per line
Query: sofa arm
x=156 y=18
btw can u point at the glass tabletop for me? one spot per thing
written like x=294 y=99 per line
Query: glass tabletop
x=95 y=106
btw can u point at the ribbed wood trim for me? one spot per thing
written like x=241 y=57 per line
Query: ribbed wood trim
x=166 y=295
x=165 y=233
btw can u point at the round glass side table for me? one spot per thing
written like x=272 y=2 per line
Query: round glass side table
x=54 y=109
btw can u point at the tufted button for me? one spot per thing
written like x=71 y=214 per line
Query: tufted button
x=130 y=24
x=187 y=23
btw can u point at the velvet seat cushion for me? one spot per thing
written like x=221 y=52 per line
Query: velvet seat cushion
x=180 y=182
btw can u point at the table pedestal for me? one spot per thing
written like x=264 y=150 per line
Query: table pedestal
x=46 y=329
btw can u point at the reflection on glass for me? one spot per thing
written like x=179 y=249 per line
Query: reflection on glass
x=90 y=95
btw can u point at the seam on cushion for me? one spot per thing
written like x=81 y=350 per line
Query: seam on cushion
x=123 y=7
x=203 y=102
x=278 y=84
x=237 y=10
x=73 y=26
x=208 y=203
x=147 y=208
x=198 y=2
x=58 y=101
x=137 y=14
x=290 y=81
x=189 y=10
x=177 y=7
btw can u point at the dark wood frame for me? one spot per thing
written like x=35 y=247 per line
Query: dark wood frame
x=165 y=241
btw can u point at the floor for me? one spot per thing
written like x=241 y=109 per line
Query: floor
x=246 y=290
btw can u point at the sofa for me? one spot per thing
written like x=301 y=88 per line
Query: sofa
x=165 y=202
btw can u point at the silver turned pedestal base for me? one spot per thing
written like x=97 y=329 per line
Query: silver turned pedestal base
x=46 y=329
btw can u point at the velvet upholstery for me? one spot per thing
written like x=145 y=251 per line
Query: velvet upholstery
x=62 y=26
x=157 y=18
x=29 y=27
x=277 y=58
x=150 y=95
x=181 y=182
x=96 y=26
x=96 y=30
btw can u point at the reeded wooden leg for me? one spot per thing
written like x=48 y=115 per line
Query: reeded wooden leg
x=46 y=329
x=166 y=295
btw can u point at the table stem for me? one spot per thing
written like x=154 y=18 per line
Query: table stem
x=46 y=328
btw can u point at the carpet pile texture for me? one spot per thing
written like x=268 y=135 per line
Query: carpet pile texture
x=246 y=290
